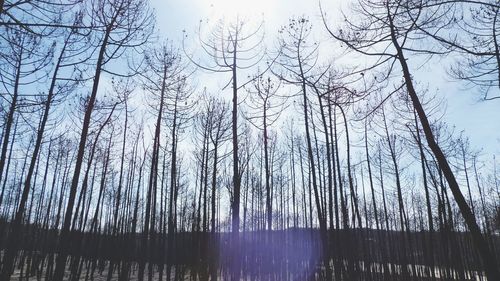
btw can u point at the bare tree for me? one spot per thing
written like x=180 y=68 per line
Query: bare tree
x=59 y=86
x=163 y=75
x=233 y=47
x=265 y=109
x=384 y=33
x=297 y=59
x=126 y=24
x=467 y=28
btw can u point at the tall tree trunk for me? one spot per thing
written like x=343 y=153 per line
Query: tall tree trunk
x=489 y=260
x=235 y=206
x=64 y=238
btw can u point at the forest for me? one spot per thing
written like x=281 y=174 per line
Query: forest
x=319 y=150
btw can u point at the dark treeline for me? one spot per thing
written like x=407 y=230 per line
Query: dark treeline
x=118 y=162
x=265 y=253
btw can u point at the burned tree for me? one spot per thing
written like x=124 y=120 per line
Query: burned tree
x=120 y=25
x=265 y=109
x=385 y=32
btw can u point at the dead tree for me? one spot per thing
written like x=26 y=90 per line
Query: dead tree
x=265 y=109
x=233 y=47
x=467 y=28
x=120 y=24
x=296 y=65
x=392 y=33
x=59 y=86
x=163 y=74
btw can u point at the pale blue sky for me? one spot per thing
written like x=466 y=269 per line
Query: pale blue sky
x=479 y=120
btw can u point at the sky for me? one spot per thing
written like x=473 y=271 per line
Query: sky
x=479 y=120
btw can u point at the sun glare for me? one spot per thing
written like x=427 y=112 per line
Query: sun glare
x=247 y=8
